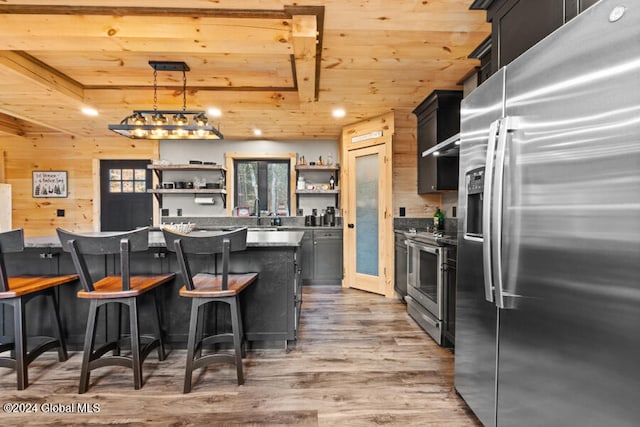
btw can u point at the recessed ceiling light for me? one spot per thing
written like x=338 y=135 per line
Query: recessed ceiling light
x=89 y=111
x=338 y=113
x=214 y=112
x=257 y=132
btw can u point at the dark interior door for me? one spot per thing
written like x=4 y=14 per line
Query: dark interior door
x=124 y=201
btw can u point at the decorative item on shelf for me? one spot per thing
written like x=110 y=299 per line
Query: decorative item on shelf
x=330 y=160
x=320 y=161
x=302 y=161
x=200 y=182
x=242 y=211
x=156 y=124
x=332 y=182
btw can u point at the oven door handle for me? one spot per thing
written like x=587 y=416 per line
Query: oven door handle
x=435 y=250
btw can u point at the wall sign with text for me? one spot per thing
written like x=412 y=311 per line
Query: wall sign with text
x=49 y=184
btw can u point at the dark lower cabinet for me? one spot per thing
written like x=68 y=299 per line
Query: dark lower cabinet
x=270 y=307
x=322 y=257
x=449 y=321
x=400 y=257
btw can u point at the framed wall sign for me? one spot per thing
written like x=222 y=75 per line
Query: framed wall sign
x=49 y=184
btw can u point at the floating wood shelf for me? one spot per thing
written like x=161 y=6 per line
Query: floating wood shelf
x=317 y=168
x=187 y=191
x=317 y=191
x=187 y=167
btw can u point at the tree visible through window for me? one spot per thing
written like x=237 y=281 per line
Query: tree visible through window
x=264 y=180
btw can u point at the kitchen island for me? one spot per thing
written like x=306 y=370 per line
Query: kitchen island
x=270 y=307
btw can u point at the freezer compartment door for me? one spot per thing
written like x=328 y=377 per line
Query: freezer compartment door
x=476 y=314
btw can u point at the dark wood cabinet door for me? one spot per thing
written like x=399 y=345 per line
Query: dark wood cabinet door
x=328 y=264
x=519 y=24
x=307 y=256
x=438 y=119
x=427 y=136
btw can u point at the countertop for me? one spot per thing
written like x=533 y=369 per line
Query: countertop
x=255 y=239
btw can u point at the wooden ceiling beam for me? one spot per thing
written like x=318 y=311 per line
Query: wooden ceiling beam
x=40 y=123
x=33 y=70
x=10 y=126
x=26 y=9
x=304 y=37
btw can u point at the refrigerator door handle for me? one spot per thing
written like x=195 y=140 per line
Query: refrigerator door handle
x=486 y=211
x=507 y=124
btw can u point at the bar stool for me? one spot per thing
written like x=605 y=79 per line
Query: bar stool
x=205 y=288
x=121 y=289
x=16 y=291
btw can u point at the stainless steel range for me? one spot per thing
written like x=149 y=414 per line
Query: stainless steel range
x=427 y=282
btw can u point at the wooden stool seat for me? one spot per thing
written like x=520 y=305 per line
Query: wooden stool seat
x=123 y=289
x=210 y=285
x=16 y=291
x=204 y=288
x=24 y=285
x=111 y=286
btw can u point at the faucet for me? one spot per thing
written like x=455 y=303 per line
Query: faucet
x=257 y=210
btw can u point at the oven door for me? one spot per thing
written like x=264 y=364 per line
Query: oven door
x=426 y=283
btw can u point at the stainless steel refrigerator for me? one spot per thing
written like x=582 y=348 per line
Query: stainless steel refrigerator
x=548 y=292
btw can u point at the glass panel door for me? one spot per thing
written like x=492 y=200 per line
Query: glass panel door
x=367 y=213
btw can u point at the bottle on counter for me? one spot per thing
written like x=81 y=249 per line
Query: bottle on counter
x=438 y=220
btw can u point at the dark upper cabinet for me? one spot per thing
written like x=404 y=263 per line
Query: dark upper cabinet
x=483 y=53
x=438 y=119
x=516 y=25
x=519 y=24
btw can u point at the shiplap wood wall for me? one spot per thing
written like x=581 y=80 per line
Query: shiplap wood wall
x=405 y=172
x=58 y=152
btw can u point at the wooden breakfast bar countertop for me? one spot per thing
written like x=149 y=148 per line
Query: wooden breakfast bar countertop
x=270 y=308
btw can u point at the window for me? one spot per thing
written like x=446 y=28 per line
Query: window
x=264 y=180
x=127 y=180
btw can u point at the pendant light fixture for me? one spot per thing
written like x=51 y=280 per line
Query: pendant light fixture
x=167 y=124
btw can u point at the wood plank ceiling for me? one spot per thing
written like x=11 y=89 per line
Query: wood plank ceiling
x=275 y=65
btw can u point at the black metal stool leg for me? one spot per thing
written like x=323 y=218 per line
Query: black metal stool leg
x=135 y=343
x=20 y=342
x=161 y=350
x=89 y=339
x=237 y=337
x=117 y=328
x=57 y=329
x=191 y=344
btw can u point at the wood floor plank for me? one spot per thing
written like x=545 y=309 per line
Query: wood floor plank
x=360 y=361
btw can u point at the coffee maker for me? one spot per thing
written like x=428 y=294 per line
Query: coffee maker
x=330 y=216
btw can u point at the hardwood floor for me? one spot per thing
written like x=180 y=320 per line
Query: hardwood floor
x=359 y=361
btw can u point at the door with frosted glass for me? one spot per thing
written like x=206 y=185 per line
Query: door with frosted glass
x=365 y=220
